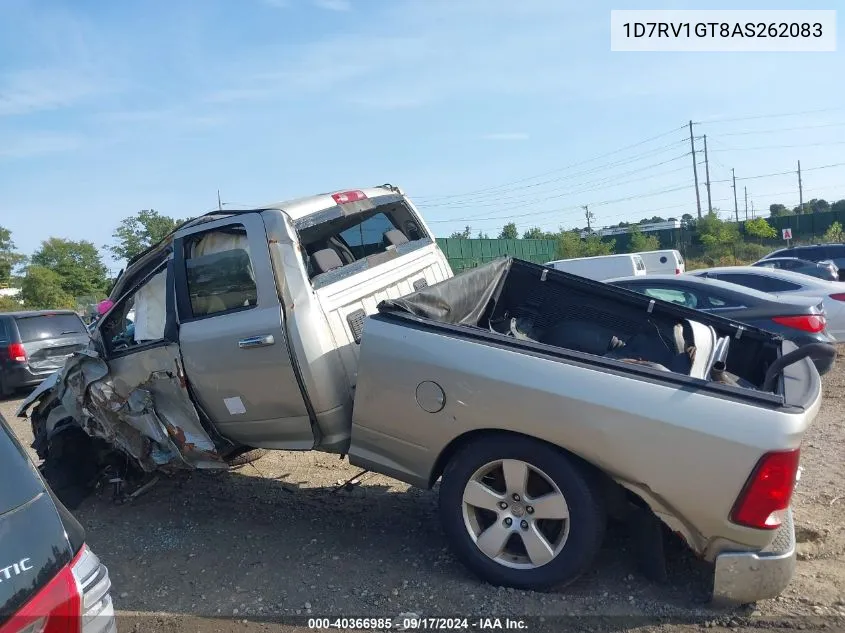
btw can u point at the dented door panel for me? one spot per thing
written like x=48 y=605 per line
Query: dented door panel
x=151 y=394
x=138 y=403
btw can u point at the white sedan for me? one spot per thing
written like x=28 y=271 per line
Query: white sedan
x=787 y=283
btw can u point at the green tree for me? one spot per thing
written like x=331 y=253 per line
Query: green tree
x=509 y=232
x=77 y=264
x=778 y=210
x=9 y=257
x=569 y=245
x=9 y=304
x=482 y=236
x=759 y=228
x=594 y=245
x=834 y=233
x=462 y=235
x=41 y=289
x=535 y=233
x=838 y=206
x=140 y=231
x=641 y=242
x=817 y=205
x=719 y=237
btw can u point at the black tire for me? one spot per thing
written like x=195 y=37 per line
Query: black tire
x=248 y=456
x=587 y=514
x=70 y=489
x=71 y=467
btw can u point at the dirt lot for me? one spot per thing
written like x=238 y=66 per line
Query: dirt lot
x=254 y=548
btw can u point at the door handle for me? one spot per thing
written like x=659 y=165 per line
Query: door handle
x=256 y=341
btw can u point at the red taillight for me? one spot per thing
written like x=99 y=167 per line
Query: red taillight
x=17 y=352
x=677 y=271
x=348 y=196
x=839 y=296
x=56 y=608
x=813 y=323
x=768 y=491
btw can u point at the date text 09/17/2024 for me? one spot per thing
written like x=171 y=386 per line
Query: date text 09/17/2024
x=417 y=623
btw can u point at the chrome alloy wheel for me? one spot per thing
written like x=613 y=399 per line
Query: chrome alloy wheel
x=515 y=514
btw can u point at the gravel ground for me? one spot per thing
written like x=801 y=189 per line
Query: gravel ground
x=255 y=548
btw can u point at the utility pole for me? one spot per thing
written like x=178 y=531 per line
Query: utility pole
x=736 y=204
x=219 y=204
x=746 y=204
x=707 y=175
x=589 y=217
x=695 y=171
x=800 y=190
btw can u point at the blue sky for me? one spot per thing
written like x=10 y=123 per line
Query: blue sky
x=110 y=107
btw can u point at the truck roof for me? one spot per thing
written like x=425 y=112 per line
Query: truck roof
x=296 y=208
x=300 y=207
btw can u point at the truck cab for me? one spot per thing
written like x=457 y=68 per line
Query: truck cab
x=245 y=327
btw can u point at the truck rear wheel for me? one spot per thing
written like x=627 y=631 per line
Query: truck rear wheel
x=521 y=513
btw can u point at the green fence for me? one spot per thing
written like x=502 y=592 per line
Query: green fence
x=464 y=254
x=807 y=227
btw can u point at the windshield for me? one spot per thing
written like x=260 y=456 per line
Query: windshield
x=44 y=326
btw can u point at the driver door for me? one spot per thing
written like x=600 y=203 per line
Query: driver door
x=233 y=337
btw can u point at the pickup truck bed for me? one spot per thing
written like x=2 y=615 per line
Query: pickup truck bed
x=511 y=361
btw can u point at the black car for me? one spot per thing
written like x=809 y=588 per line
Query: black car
x=50 y=581
x=798 y=319
x=33 y=345
x=816 y=253
x=826 y=270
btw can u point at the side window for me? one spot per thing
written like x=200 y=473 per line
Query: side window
x=219 y=272
x=712 y=301
x=4 y=332
x=137 y=319
x=673 y=295
x=759 y=282
x=368 y=237
x=813 y=253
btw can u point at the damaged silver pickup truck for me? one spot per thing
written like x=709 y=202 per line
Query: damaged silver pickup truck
x=543 y=402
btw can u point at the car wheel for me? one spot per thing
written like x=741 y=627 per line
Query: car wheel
x=248 y=456
x=521 y=513
x=71 y=467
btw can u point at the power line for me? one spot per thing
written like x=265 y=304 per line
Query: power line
x=505 y=200
x=497 y=195
x=787 y=173
x=496 y=192
x=485 y=217
x=769 y=116
x=784 y=129
x=629 y=213
x=564 y=168
x=595 y=204
x=748 y=149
